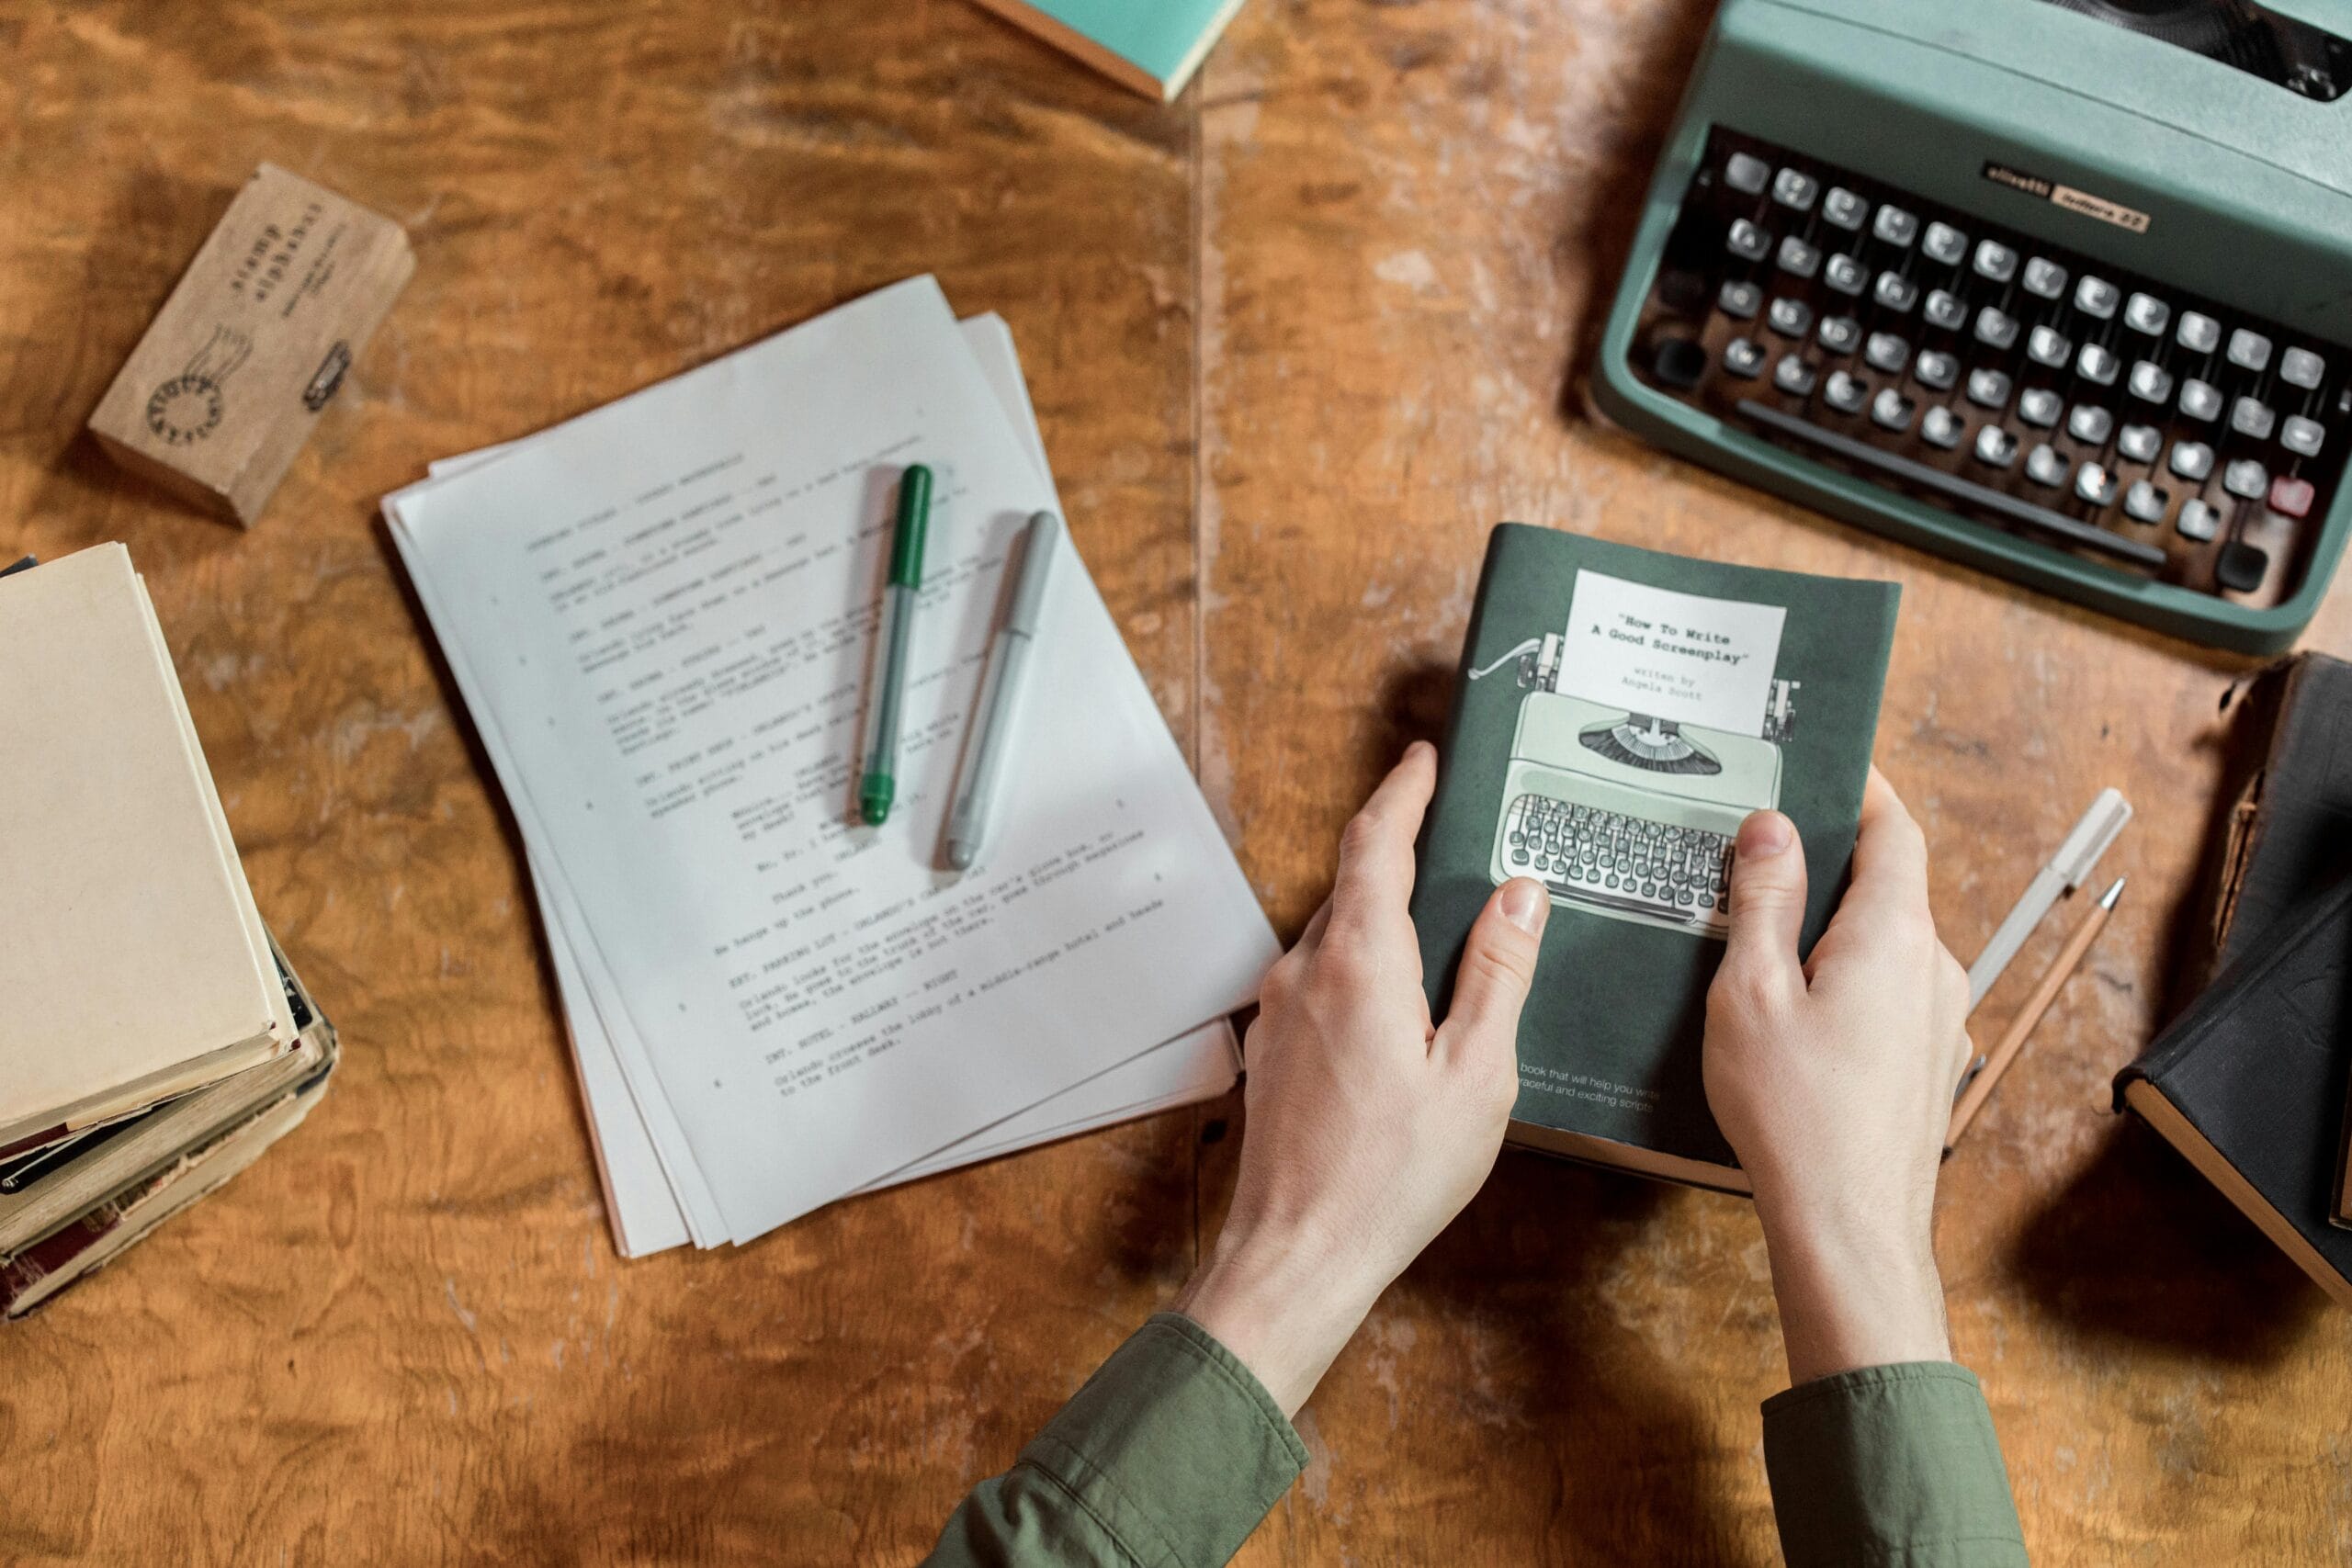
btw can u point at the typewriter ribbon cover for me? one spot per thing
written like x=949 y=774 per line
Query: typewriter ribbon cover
x=1620 y=713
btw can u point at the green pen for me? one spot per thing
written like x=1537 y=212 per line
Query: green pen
x=879 y=785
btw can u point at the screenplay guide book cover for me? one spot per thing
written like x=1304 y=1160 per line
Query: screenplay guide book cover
x=1618 y=715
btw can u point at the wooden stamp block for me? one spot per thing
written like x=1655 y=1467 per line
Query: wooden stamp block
x=253 y=341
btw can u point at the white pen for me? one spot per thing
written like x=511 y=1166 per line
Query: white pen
x=2067 y=871
x=993 y=719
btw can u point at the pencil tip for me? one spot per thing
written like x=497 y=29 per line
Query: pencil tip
x=2113 y=893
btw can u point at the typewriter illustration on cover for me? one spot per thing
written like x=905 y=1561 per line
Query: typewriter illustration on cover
x=1623 y=814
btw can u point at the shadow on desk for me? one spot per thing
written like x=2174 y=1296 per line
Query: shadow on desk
x=1577 y=1283
x=1600 y=231
x=2141 y=1249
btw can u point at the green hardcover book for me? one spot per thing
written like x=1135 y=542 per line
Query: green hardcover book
x=1619 y=714
x=1152 y=46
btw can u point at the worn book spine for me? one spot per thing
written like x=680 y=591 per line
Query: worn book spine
x=39 y=1192
x=2285 y=828
x=2288 y=828
x=74 y=1252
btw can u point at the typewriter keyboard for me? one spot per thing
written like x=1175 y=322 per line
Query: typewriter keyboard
x=2019 y=384
x=1587 y=855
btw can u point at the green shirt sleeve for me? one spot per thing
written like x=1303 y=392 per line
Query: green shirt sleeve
x=1889 y=1467
x=1168 y=1457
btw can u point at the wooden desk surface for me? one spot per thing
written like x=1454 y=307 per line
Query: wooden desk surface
x=1296 y=341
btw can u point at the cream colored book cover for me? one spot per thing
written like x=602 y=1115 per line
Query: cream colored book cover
x=131 y=953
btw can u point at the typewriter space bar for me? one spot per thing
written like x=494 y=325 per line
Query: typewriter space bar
x=2070 y=530
x=1636 y=905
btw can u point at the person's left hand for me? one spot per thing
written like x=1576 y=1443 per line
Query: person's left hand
x=1368 y=1127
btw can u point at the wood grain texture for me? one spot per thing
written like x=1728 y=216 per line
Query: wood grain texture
x=1413 y=217
x=1296 y=341
x=403 y=1335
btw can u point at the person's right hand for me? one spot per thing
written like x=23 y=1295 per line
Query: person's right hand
x=1369 y=1123
x=1832 y=1081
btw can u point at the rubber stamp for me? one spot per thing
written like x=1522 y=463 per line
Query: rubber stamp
x=253 y=343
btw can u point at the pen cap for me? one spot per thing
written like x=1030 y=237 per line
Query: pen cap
x=914 y=515
x=1039 y=544
x=2090 y=838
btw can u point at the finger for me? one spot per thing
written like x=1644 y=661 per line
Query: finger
x=1963 y=1056
x=1375 y=876
x=1312 y=937
x=1890 y=855
x=1768 y=889
x=1284 y=977
x=1952 y=1010
x=1491 y=983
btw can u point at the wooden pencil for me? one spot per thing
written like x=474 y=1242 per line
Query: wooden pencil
x=2045 y=991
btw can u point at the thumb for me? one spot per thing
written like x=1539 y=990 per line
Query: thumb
x=1497 y=966
x=1768 y=885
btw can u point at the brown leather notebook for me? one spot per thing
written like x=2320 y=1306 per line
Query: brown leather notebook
x=2287 y=837
x=2289 y=834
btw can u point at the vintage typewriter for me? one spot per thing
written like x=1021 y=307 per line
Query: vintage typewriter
x=2060 y=288
x=1625 y=815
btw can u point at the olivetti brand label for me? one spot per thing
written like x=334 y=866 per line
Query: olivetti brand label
x=2069 y=198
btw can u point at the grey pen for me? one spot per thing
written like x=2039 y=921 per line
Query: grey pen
x=975 y=781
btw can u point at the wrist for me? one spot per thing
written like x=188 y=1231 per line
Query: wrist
x=1281 y=1305
x=1855 y=1288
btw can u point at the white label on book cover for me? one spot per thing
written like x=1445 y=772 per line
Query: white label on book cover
x=1679 y=657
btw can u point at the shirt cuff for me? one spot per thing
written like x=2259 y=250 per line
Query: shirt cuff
x=1889 y=1465
x=1172 y=1445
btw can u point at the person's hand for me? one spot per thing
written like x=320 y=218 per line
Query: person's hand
x=1833 y=1082
x=1368 y=1129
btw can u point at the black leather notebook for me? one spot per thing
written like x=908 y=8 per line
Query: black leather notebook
x=2250 y=1082
x=2288 y=833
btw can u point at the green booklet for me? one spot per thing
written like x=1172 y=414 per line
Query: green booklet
x=1619 y=714
x=1152 y=46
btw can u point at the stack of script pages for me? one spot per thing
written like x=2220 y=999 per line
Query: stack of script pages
x=661 y=616
x=154 y=1041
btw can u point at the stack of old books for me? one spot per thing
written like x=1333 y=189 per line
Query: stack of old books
x=152 y=1040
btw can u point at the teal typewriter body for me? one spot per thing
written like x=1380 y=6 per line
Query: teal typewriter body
x=2058 y=289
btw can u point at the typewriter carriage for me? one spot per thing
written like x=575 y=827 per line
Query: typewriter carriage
x=1925 y=98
